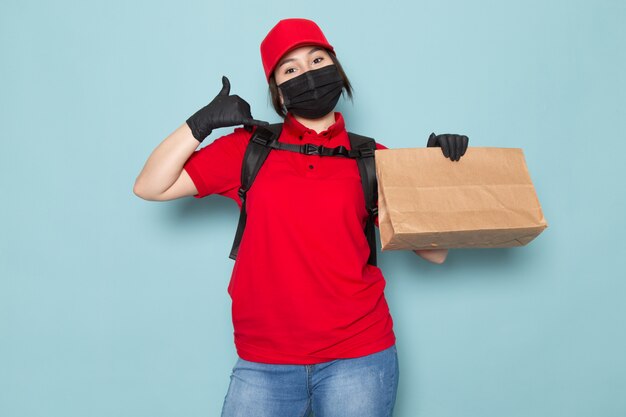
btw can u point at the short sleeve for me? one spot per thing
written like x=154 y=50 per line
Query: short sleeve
x=378 y=146
x=216 y=168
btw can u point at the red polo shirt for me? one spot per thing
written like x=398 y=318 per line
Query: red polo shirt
x=301 y=288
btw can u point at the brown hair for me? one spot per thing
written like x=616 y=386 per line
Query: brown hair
x=273 y=88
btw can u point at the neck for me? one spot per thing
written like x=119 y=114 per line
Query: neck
x=318 y=125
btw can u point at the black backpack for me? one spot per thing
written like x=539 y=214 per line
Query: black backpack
x=265 y=138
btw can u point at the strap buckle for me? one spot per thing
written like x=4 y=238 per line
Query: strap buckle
x=242 y=194
x=260 y=140
x=366 y=152
x=311 y=149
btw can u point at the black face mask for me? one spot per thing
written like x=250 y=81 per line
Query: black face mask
x=313 y=94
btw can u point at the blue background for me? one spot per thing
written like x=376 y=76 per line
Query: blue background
x=111 y=305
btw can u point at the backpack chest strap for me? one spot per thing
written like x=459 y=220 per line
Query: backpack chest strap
x=313 y=149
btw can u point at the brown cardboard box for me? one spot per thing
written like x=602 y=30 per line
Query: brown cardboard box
x=484 y=200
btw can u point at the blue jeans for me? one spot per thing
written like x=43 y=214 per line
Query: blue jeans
x=363 y=387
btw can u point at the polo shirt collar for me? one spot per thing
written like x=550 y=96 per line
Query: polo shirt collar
x=297 y=129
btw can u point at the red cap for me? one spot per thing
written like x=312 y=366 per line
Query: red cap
x=287 y=35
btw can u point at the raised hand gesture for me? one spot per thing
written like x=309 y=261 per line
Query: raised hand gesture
x=225 y=110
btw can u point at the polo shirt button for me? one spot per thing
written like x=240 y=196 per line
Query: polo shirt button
x=300 y=136
x=311 y=166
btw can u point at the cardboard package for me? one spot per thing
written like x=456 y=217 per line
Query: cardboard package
x=484 y=200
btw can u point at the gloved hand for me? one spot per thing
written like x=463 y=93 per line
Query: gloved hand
x=225 y=110
x=453 y=146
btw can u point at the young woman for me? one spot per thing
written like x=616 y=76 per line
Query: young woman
x=312 y=327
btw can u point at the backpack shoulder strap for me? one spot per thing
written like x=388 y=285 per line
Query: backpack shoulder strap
x=367 y=169
x=256 y=153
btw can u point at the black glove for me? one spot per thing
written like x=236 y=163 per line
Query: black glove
x=225 y=110
x=453 y=146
